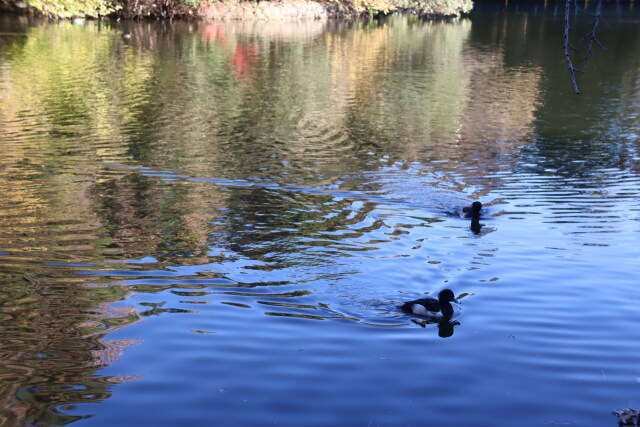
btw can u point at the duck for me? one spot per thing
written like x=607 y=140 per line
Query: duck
x=432 y=307
x=472 y=211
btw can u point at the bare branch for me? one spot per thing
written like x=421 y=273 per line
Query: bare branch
x=567 y=45
x=590 y=38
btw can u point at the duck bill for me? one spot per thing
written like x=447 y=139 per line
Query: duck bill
x=455 y=300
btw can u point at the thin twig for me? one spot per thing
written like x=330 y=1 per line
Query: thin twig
x=567 y=46
x=592 y=36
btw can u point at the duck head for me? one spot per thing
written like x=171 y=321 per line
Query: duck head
x=475 y=208
x=446 y=296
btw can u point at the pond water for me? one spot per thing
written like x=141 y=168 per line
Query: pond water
x=213 y=224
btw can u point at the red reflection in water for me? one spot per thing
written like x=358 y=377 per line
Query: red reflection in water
x=243 y=59
x=213 y=31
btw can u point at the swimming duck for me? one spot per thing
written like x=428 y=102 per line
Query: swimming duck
x=432 y=307
x=472 y=211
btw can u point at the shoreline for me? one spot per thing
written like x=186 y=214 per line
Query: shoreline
x=238 y=10
x=293 y=11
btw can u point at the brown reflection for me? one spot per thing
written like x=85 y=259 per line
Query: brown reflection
x=304 y=103
x=494 y=124
x=400 y=88
x=142 y=218
x=52 y=345
x=308 y=102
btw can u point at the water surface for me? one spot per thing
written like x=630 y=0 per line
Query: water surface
x=213 y=224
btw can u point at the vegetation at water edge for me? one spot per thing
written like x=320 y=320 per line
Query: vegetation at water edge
x=191 y=8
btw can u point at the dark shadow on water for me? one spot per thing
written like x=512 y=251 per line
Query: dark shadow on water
x=476 y=227
x=445 y=326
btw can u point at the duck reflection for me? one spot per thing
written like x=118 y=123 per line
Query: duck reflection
x=480 y=229
x=475 y=226
x=445 y=326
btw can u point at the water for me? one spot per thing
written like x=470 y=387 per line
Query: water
x=213 y=224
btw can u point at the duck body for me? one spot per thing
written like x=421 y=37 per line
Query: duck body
x=424 y=307
x=432 y=307
x=472 y=211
